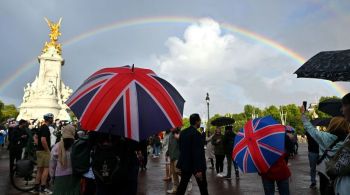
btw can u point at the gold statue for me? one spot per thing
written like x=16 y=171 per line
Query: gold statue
x=54 y=34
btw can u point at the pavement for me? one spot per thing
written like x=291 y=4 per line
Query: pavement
x=151 y=181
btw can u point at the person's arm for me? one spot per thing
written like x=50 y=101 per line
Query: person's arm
x=324 y=139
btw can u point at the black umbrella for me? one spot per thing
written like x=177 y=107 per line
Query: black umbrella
x=222 y=121
x=331 y=107
x=328 y=65
x=322 y=122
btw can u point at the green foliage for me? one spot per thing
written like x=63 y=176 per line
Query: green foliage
x=8 y=111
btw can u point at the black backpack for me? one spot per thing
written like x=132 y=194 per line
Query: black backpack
x=81 y=155
x=110 y=161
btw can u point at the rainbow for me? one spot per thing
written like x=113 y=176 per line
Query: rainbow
x=172 y=19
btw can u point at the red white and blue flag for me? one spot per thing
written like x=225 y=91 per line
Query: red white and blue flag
x=259 y=145
x=127 y=101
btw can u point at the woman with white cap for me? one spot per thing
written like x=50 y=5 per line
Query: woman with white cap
x=60 y=165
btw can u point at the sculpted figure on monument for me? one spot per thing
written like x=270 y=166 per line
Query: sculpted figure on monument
x=27 y=91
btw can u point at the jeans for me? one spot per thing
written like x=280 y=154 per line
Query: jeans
x=185 y=178
x=156 y=150
x=313 y=163
x=269 y=186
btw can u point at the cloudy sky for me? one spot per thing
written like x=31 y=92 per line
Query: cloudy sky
x=197 y=56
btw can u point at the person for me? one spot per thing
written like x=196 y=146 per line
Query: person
x=115 y=176
x=278 y=173
x=156 y=145
x=342 y=183
x=210 y=150
x=173 y=150
x=18 y=141
x=192 y=157
x=167 y=161
x=289 y=145
x=228 y=142
x=3 y=134
x=144 y=153
x=217 y=142
x=329 y=143
x=201 y=129
x=61 y=166
x=313 y=156
x=43 y=155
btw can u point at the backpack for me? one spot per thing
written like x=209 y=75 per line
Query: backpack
x=80 y=156
x=110 y=161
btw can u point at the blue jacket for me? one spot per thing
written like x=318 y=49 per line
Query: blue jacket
x=192 y=154
x=324 y=139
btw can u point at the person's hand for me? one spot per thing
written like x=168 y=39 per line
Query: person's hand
x=199 y=175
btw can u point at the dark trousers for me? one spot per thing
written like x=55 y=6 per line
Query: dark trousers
x=229 y=165
x=269 y=187
x=326 y=187
x=219 y=163
x=15 y=155
x=185 y=178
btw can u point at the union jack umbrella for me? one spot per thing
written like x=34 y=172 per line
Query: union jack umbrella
x=127 y=101
x=259 y=145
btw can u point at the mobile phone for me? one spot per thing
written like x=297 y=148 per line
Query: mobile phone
x=305 y=105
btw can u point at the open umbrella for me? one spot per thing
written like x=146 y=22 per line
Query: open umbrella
x=328 y=65
x=331 y=107
x=127 y=101
x=289 y=129
x=321 y=122
x=259 y=145
x=222 y=121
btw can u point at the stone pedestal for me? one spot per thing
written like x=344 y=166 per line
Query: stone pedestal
x=47 y=93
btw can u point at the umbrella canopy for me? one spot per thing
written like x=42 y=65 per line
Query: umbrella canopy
x=222 y=121
x=331 y=107
x=328 y=65
x=289 y=129
x=130 y=102
x=322 y=122
x=259 y=145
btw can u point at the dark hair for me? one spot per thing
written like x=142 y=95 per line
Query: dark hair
x=228 y=128
x=346 y=99
x=22 y=122
x=194 y=118
x=68 y=142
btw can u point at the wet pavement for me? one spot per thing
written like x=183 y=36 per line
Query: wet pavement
x=151 y=183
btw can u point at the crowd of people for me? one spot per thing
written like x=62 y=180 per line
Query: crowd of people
x=110 y=164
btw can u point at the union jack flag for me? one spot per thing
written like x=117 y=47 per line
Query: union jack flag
x=131 y=102
x=259 y=145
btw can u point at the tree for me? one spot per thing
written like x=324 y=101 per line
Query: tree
x=9 y=111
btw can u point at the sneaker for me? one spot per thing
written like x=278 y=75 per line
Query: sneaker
x=172 y=191
x=45 y=191
x=227 y=177
x=313 y=186
x=35 y=191
x=219 y=175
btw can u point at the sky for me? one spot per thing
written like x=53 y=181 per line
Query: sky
x=197 y=55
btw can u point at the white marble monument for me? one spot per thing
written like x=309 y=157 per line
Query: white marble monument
x=47 y=93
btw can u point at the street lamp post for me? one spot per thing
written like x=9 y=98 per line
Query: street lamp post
x=207 y=99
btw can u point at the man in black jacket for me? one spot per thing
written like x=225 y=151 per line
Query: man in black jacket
x=18 y=141
x=192 y=157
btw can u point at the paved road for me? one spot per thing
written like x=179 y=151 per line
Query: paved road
x=150 y=182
